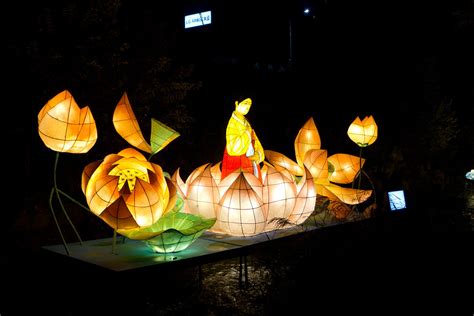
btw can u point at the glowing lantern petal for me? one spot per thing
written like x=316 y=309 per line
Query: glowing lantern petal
x=126 y=125
x=307 y=139
x=161 y=135
x=177 y=232
x=317 y=164
x=216 y=172
x=363 y=133
x=202 y=195
x=281 y=162
x=241 y=212
x=173 y=196
x=348 y=195
x=87 y=173
x=179 y=183
x=193 y=175
x=64 y=127
x=139 y=204
x=279 y=196
x=305 y=199
x=144 y=204
x=321 y=189
x=346 y=167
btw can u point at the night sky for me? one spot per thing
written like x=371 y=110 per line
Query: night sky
x=410 y=65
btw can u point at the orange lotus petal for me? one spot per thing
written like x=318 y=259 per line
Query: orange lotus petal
x=179 y=183
x=64 y=127
x=363 y=133
x=139 y=204
x=305 y=199
x=173 y=195
x=307 y=139
x=161 y=182
x=241 y=212
x=279 y=196
x=87 y=173
x=203 y=195
x=281 y=162
x=346 y=167
x=144 y=203
x=101 y=192
x=118 y=216
x=348 y=195
x=321 y=190
x=126 y=125
x=316 y=162
x=132 y=153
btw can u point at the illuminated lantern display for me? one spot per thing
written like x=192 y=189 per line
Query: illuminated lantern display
x=126 y=191
x=245 y=205
x=243 y=149
x=177 y=231
x=307 y=139
x=279 y=194
x=64 y=127
x=132 y=194
x=246 y=199
x=173 y=232
x=363 y=133
x=305 y=199
x=127 y=126
x=344 y=168
x=242 y=211
x=338 y=168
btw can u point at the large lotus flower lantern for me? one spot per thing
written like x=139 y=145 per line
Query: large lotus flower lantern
x=244 y=205
x=132 y=194
x=246 y=199
x=337 y=168
x=65 y=128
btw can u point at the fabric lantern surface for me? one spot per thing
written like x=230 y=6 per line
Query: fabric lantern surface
x=246 y=206
x=307 y=139
x=344 y=168
x=363 y=133
x=127 y=126
x=243 y=149
x=279 y=196
x=127 y=191
x=64 y=127
x=177 y=231
x=339 y=168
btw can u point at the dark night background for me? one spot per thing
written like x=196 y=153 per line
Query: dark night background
x=410 y=65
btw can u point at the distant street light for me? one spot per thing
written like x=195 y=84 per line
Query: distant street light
x=306 y=11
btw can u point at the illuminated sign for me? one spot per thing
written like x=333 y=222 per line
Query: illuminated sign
x=397 y=200
x=197 y=19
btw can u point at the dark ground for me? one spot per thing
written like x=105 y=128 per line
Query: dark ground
x=395 y=262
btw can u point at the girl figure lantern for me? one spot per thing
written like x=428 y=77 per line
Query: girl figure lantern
x=243 y=149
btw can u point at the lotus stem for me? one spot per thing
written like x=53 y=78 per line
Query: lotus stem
x=360 y=171
x=56 y=221
x=372 y=185
x=60 y=201
x=74 y=200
